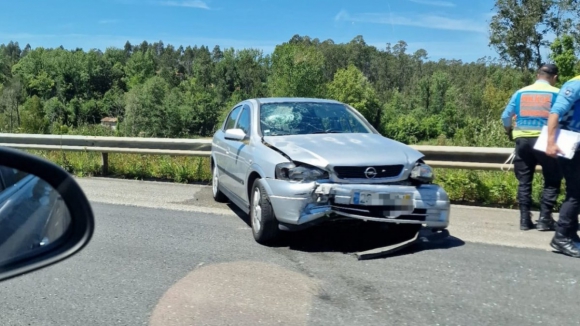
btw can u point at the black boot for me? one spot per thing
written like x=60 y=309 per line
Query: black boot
x=565 y=244
x=546 y=223
x=526 y=221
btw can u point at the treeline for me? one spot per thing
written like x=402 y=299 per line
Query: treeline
x=164 y=91
x=158 y=90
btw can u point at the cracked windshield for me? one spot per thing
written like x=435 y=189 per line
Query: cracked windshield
x=281 y=119
x=265 y=162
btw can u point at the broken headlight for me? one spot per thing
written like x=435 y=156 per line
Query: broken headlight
x=422 y=172
x=302 y=173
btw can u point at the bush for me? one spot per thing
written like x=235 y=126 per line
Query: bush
x=489 y=188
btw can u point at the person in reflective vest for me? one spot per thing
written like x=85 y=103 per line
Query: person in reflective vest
x=565 y=114
x=531 y=106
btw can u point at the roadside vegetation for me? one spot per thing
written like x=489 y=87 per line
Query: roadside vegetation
x=159 y=90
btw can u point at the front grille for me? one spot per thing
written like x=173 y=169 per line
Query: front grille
x=358 y=172
x=418 y=214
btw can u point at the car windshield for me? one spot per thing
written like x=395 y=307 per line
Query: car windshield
x=299 y=118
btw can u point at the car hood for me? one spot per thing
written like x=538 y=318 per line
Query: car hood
x=351 y=149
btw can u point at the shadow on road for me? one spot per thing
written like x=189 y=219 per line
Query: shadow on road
x=358 y=237
x=353 y=237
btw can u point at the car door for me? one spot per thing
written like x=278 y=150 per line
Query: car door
x=223 y=150
x=241 y=153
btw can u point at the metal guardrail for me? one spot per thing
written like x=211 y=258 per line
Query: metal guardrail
x=473 y=158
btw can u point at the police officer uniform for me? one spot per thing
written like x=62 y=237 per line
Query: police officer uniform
x=531 y=106
x=567 y=110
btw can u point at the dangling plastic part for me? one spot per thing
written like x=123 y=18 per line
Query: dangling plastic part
x=509 y=161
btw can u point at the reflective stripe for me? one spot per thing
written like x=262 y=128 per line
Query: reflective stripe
x=526 y=133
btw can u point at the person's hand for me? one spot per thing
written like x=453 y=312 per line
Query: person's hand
x=553 y=150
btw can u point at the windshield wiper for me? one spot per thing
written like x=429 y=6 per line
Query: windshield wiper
x=327 y=132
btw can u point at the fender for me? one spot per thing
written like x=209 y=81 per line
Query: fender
x=256 y=168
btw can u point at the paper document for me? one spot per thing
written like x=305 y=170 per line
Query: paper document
x=565 y=139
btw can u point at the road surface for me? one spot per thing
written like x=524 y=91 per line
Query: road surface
x=159 y=257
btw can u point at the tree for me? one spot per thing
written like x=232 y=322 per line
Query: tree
x=145 y=109
x=33 y=117
x=518 y=29
x=10 y=101
x=352 y=87
x=564 y=18
x=297 y=70
x=563 y=54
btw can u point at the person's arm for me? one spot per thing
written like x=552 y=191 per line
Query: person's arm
x=507 y=116
x=508 y=113
x=568 y=95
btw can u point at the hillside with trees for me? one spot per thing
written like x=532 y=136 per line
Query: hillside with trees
x=158 y=90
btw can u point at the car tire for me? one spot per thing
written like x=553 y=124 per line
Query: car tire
x=262 y=219
x=218 y=196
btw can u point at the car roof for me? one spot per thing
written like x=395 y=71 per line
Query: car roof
x=265 y=100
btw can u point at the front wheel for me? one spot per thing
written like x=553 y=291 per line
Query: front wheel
x=263 y=221
x=217 y=194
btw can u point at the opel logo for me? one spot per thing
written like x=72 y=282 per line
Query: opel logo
x=370 y=172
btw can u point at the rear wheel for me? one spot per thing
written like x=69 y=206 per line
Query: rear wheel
x=217 y=194
x=263 y=221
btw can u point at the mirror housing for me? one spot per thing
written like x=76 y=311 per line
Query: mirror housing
x=56 y=192
x=235 y=134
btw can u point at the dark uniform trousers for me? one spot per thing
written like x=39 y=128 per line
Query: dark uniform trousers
x=525 y=161
x=568 y=221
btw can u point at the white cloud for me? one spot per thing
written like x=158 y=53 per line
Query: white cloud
x=427 y=21
x=434 y=3
x=188 y=3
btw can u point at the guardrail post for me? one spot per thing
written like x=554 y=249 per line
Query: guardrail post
x=105 y=163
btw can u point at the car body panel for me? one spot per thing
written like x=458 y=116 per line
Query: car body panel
x=302 y=203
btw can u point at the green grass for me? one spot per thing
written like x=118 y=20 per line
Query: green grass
x=182 y=169
x=481 y=188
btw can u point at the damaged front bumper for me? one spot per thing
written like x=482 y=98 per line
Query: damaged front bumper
x=297 y=204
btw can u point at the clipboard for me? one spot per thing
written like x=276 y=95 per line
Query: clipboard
x=565 y=139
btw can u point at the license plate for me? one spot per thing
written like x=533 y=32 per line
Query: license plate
x=381 y=199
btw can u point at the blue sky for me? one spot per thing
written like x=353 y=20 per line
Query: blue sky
x=453 y=29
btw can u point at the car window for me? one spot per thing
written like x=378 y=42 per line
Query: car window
x=293 y=118
x=9 y=177
x=244 y=120
x=231 y=121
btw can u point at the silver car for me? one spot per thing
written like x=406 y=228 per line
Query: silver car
x=291 y=163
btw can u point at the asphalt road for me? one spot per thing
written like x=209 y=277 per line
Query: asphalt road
x=179 y=265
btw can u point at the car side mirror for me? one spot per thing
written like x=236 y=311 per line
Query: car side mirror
x=45 y=216
x=235 y=134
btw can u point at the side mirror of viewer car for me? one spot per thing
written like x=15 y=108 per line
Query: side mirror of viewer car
x=44 y=215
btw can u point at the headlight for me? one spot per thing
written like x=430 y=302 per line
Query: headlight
x=303 y=173
x=422 y=172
